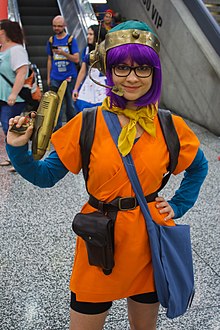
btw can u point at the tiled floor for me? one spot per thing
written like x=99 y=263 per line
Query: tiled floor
x=37 y=246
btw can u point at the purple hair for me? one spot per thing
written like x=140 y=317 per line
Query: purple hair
x=140 y=54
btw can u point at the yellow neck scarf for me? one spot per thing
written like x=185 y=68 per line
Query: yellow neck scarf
x=145 y=118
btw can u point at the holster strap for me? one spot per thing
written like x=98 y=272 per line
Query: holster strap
x=119 y=203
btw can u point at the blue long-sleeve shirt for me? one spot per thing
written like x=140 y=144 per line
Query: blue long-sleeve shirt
x=46 y=173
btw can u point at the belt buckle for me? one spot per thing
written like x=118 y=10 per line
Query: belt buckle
x=125 y=209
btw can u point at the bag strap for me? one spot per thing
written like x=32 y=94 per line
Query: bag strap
x=8 y=81
x=115 y=129
x=70 y=39
x=30 y=72
x=86 y=138
x=24 y=96
x=50 y=40
x=172 y=142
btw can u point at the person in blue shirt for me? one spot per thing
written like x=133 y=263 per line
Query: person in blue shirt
x=63 y=54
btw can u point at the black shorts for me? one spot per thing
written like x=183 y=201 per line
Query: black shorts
x=101 y=307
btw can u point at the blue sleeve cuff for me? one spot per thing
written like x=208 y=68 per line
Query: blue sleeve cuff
x=187 y=194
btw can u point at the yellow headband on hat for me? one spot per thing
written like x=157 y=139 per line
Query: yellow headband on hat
x=131 y=36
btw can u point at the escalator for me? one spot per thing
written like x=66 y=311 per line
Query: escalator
x=36 y=17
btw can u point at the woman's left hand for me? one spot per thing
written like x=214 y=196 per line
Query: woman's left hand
x=164 y=207
x=11 y=99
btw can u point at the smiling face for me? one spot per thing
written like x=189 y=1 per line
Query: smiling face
x=139 y=55
x=90 y=37
x=133 y=86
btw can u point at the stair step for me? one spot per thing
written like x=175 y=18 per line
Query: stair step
x=41 y=61
x=36 y=50
x=38 y=11
x=36 y=3
x=39 y=40
x=44 y=71
x=36 y=20
x=32 y=30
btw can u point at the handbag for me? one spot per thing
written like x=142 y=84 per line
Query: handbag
x=97 y=231
x=170 y=246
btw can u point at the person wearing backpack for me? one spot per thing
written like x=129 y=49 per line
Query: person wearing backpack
x=14 y=64
x=130 y=58
x=63 y=55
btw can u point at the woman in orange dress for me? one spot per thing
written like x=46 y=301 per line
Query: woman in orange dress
x=133 y=74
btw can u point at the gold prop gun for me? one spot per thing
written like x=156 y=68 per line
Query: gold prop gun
x=45 y=120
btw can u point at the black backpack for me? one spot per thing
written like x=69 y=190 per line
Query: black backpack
x=167 y=126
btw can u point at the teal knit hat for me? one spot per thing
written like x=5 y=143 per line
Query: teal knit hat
x=138 y=25
x=131 y=32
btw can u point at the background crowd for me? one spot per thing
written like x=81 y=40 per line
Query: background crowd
x=63 y=63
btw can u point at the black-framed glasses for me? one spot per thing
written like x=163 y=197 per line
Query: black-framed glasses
x=141 y=71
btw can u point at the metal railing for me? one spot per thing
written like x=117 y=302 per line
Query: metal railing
x=13 y=11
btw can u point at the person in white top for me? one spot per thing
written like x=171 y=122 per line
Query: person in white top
x=86 y=93
x=14 y=65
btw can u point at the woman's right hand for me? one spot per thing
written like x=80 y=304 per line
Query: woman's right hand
x=17 y=139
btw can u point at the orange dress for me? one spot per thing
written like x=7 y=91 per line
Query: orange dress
x=133 y=272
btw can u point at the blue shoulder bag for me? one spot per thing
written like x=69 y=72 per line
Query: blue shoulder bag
x=170 y=246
